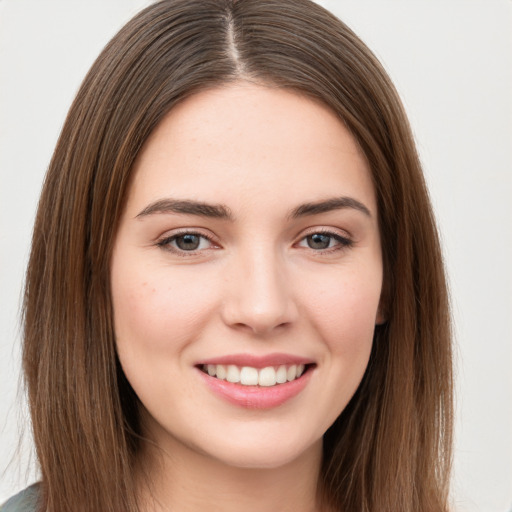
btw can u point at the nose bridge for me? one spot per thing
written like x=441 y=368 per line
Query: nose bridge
x=260 y=296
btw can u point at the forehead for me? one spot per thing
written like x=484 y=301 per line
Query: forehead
x=246 y=141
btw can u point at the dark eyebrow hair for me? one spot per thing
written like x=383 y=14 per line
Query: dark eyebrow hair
x=188 y=207
x=220 y=211
x=327 y=205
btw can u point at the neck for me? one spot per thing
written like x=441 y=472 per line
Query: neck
x=185 y=480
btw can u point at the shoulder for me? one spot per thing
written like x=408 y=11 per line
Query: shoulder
x=24 y=501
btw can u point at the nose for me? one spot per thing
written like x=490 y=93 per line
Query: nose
x=259 y=298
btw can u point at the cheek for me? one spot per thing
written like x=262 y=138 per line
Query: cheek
x=343 y=315
x=154 y=311
x=157 y=315
x=345 y=310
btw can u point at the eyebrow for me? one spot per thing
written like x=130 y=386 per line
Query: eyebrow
x=188 y=207
x=327 y=205
x=220 y=211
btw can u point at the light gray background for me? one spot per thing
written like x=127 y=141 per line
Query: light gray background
x=452 y=63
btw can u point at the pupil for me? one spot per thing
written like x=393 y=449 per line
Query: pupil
x=319 y=241
x=188 y=242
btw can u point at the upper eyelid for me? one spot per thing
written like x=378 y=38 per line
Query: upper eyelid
x=208 y=234
x=326 y=231
x=175 y=233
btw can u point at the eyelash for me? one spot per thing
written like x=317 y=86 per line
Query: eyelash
x=166 y=242
x=343 y=242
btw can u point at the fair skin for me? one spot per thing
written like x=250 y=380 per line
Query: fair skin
x=281 y=270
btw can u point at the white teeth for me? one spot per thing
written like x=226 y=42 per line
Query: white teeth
x=249 y=376
x=267 y=377
x=233 y=373
x=281 y=374
x=221 y=372
x=291 y=374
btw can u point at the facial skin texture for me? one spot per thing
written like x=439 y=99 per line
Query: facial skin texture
x=255 y=288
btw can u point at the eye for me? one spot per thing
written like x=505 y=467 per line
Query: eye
x=322 y=241
x=186 y=242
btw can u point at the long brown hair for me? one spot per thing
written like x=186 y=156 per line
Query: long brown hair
x=390 y=449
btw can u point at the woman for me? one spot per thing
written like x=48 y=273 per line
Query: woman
x=235 y=296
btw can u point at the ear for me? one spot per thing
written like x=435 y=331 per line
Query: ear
x=381 y=317
x=382 y=311
x=384 y=302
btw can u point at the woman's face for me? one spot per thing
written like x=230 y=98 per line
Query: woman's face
x=246 y=275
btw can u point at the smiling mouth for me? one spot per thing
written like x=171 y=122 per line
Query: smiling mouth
x=250 y=376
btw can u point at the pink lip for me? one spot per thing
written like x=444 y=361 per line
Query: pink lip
x=256 y=397
x=257 y=361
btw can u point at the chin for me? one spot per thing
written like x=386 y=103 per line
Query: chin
x=274 y=454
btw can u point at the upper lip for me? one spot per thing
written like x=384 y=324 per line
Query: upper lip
x=255 y=361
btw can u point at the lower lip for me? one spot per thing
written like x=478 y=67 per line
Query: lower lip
x=256 y=397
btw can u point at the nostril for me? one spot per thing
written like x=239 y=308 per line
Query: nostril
x=257 y=301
